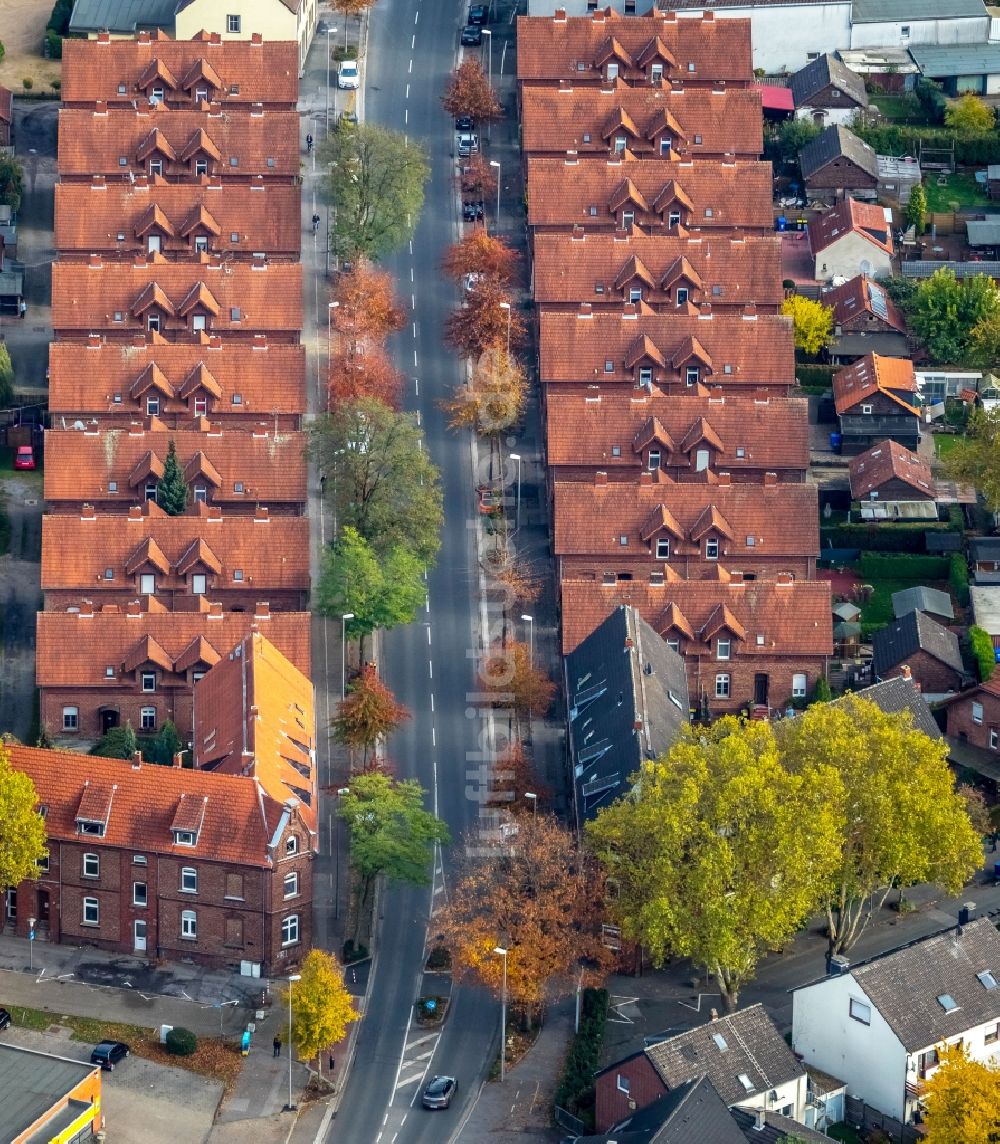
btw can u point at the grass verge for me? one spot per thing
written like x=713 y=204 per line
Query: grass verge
x=960 y=187
x=945 y=442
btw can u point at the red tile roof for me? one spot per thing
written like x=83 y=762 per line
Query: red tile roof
x=90 y=217
x=723 y=270
x=585 y=430
x=80 y=466
x=591 y=519
x=708 y=195
x=86 y=381
x=861 y=295
x=272 y=553
x=86 y=297
x=550 y=49
x=874 y=374
x=866 y=219
x=729 y=350
x=75 y=650
x=253 y=714
x=237 y=819
x=698 y=121
x=93 y=144
x=236 y=72
x=794 y=619
x=889 y=461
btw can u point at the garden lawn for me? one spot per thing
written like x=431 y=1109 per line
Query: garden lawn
x=961 y=188
x=878 y=610
x=945 y=442
x=900 y=108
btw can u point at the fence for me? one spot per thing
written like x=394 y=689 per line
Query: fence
x=862 y=1116
x=570 y=1122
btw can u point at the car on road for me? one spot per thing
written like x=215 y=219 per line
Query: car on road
x=439 y=1091
x=348 y=76
x=468 y=144
x=479 y=14
x=5 y=1020
x=465 y=123
x=108 y=1054
x=24 y=458
x=472 y=36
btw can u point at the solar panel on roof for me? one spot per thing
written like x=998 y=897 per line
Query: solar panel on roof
x=880 y=307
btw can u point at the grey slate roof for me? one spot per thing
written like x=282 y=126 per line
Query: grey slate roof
x=693 y=1113
x=914 y=632
x=776 y=1128
x=122 y=15
x=937 y=541
x=620 y=675
x=908 y=11
x=899 y=694
x=905 y=985
x=820 y=73
x=30 y=1084
x=944 y=60
x=753 y=1046
x=984 y=232
x=930 y=600
x=833 y=143
x=985 y=548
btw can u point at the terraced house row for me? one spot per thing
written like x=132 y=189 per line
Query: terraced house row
x=676 y=445
x=176 y=350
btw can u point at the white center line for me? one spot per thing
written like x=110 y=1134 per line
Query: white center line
x=428 y=635
x=413 y=42
x=432 y=702
x=414 y=329
x=409 y=70
x=430 y=668
x=416 y=16
x=407 y=96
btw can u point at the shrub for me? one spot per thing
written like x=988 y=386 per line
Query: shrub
x=439 y=958
x=875 y=537
x=576 y=1086
x=181 y=1042
x=877 y=567
x=958 y=578
x=956 y=518
x=62 y=10
x=27 y=83
x=822 y=692
x=811 y=374
x=56 y=84
x=53 y=42
x=982 y=651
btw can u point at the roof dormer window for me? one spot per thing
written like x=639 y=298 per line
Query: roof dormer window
x=185 y=838
x=86 y=826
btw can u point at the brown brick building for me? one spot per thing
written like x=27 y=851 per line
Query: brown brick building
x=974 y=717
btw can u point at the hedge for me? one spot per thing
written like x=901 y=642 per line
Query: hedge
x=875 y=537
x=893 y=139
x=958 y=578
x=807 y=374
x=982 y=651
x=576 y=1086
x=874 y=566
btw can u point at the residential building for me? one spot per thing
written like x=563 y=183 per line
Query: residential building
x=898 y=694
x=881 y=1024
x=742 y=1054
x=961 y=68
x=984 y=556
x=655 y=121
x=180 y=301
x=672 y=353
x=114 y=384
x=902 y=24
x=888 y=472
x=180 y=146
x=603 y=46
x=657 y=529
x=935 y=383
x=828 y=92
x=876 y=401
x=115 y=469
x=837 y=160
x=852 y=238
x=166 y=862
x=178 y=560
x=665 y=273
x=628 y=704
x=930 y=601
x=974 y=716
x=927 y=649
x=728 y=197
x=181 y=221
x=693 y=1110
x=780 y=633
x=624 y=433
x=98 y=669
x=198 y=73
x=47 y=1097
x=865 y=320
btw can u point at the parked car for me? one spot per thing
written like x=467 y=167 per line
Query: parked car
x=439 y=1092
x=24 y=458
x=348 y=76
x=472 y=211
x=479 y=14
x=5 y=1019
x=472 y=36
x=465 y=123
x=108 y=1054
x=468 y=144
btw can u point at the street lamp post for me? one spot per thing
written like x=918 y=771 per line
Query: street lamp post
x=517 y=517
x=343 y=652
x=489 y=35
x=494 y=163
x=506 y=306
x=289 y=1107
x=31 y=944
x=501 y=952
x=530 y=794
x=530 y=621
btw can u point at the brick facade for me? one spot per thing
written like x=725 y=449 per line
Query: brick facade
x=621 y=1089
x=932 y=676
x=974 y=718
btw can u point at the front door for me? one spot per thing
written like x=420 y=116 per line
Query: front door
x=140 y=936
x=43 y=909
x=12 y=905
x=760 y=686
x=109 y=719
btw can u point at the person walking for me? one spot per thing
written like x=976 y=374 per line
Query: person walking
x=277 y=1045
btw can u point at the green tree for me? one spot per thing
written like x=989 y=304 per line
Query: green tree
x=944 y=311
x=916 y=208
x=719 y=853
x=171 y=488
x=969 y=115
x=22 y=828
x=376 y=187
x=793 y=135
x=392 y=835
x=821 y=692
x=383 y=482
x=369 y=714
x=962 y=1099
x=118 y=743
x=379 y=593
x=901 y=820
x=11 y=182
x=982 y=652
x=812 y=323
x=6 y=377
x=322 y=1007
x=166 y=745
x=976 y=459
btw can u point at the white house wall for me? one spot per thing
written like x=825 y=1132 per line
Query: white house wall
x=828 y=116
x=850 y=256
x=869 y=1058
x=793 y=1093
x=973 y=30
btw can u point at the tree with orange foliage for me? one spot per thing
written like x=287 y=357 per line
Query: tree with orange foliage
x=514 y=681
x=495 y=399
x=481 y=254
x=512 y=776
x=366 y=308
x=469 y=93
x=369 y=714
x=477 y=178
x=537 y=895
x=371 y=374
x=481 y=323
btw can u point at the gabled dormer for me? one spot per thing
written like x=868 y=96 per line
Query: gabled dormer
x=692 y=361
x=666 y=134
x=148 y=661
x=702 y=446
x=202 y=82
x=146 y=475
x=620 y=131
x=202 y=477
x=673 y=205
x=94 y=811
x=625 y=201
x=661 y=532
x=153 y=306
x=196 y=563
x=709 y=531
x=199 y=151
x=157 y=80
x=153 y=228
x=611 y=59
x=634 y=280
x=673 y=626
x=200 y=390
x=653 y=444
x=146 y=561
x=722 y=632
x=199 y=228
x=152 y=388
x=201 y=305
x=681 y=282
x=656 y=61
x=154 y=151
x=196 y=659
x=642 y=358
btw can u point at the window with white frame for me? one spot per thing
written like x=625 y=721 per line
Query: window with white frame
x=977 y=713
x=292 y=845
x=147 y=718
x=663 y=548
x=189 y=925
x=71 y=718
x=91 y=865
x=91 y=912
x=140 y=894
x=722 y=686
x=692 y=375
x=199 y=584
x=994 y=739
x=799 y=686
x=290 y=885
x=234 y=25
x=290 y=930
x=722 y=649
x=623 y=1084
x=148 y=681
x=189 y=880
x=712 y=549
x=653 y=460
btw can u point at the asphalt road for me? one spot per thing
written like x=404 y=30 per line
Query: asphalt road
x=430 y=664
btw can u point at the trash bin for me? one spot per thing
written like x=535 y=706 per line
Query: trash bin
x=245 y=1045
x=781 y=223
x=835 y=442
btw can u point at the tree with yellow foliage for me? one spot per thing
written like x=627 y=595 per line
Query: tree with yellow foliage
x=962 y=1100
x=812 y=322
x=322 y=1008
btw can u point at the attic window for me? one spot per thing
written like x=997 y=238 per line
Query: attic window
x=760 y=640
x=697 y=139
x=109 y=573
x=745 y=1081
x=947 y=1003
x=616 y=450
x=592 y=211
x=708 y=210
x=86 y=826
x=234 y=89
x=122 y=160
x=234 y=236
x=109 y=672
x=691 y=67
x=237 y=573
x=987 y=980
x=720 y=1040
x=751 y=541
x=122 y=89
x=185 y=838
x=270 y=162
x=727 y=368
x=609 y=365
x=623 y=541
x=581 y=66
x=234 y=161
x=741 y=451
x=237 y=399
x=586 y=137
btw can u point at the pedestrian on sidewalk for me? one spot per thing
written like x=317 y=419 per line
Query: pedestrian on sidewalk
x=277 y=1044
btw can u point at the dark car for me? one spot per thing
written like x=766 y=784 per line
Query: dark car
x=4 y=1020
x=472 y=35
x=479 y=14
x=465 y=123
x=439 y=1092
x=108 y=1054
